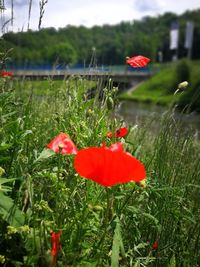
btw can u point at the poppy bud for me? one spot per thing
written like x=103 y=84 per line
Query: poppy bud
x=183 y=85
x=155 y=245
x=89 y=112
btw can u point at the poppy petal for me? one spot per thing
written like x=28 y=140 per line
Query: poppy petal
x=116 y=147
x=138 y=61
x=63 y=144
x=121 y=132
x=108 y=166
x=6 y=73
x=56 y=245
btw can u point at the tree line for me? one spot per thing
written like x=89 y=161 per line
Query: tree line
x=110 y=43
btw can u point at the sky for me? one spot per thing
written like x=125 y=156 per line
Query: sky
x=60 y=13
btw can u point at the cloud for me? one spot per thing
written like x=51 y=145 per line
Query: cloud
x=22 y=3
x=144 y=6
x=89 y=14
x=59 y=13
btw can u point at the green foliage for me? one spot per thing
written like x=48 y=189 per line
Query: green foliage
x=113 y=43
x=62 y=53
x=9 y=211
x=172 y=262
x=156 y=89
x=117 y=245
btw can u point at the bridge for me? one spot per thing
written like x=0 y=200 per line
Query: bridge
x=116 y=76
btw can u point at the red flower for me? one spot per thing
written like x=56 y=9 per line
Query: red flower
x=108 y=166
x=155 y=245
x=63 y=144
x=6 y=73
x=119 y=133
x=137 y=61
x=56 y=245
x=109 y=134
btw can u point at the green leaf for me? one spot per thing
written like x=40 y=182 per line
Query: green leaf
x=4 y=146
x=10 y=212
x=6 y=180
x=137 y=263
x=3 y=159
x=45 y=154
x=150 y=217
x=117 y=245
x=27 y=132
x=172 y=262
x=6 y=188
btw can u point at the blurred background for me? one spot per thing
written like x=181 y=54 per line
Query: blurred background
x=42 y=32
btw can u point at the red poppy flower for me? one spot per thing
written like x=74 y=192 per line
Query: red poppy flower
x=109 y=134
x=63 y=144
x=6 y=73
x=108 y=166
x=155 y=245
x=119 y=133
x=55 y=245
x=137 y=61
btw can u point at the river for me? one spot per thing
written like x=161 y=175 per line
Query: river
x=138 y=113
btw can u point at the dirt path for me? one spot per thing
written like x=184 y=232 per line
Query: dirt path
x=129 y=92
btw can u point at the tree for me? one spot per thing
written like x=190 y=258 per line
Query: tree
x=62 y=53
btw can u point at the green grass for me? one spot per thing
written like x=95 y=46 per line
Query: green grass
x=49 y=87
x=113 y=227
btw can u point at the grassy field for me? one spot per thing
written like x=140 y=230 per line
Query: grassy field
x=154 y=223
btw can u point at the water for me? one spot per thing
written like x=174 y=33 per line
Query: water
x=138 y=113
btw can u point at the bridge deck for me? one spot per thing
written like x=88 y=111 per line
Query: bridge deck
x=58 y=74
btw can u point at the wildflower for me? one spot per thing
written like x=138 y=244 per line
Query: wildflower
x=6 y=73
x=109 y=134
x=63 y=144
x=25 y=229
x=155 y=245
x=119 y=133
x=11 y=230
x=108 y=166
x=56 y=245
x=137 y=61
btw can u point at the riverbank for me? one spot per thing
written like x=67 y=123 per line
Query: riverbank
x=160 y=88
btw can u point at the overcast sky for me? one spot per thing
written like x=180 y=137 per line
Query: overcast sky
x=59 y=13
